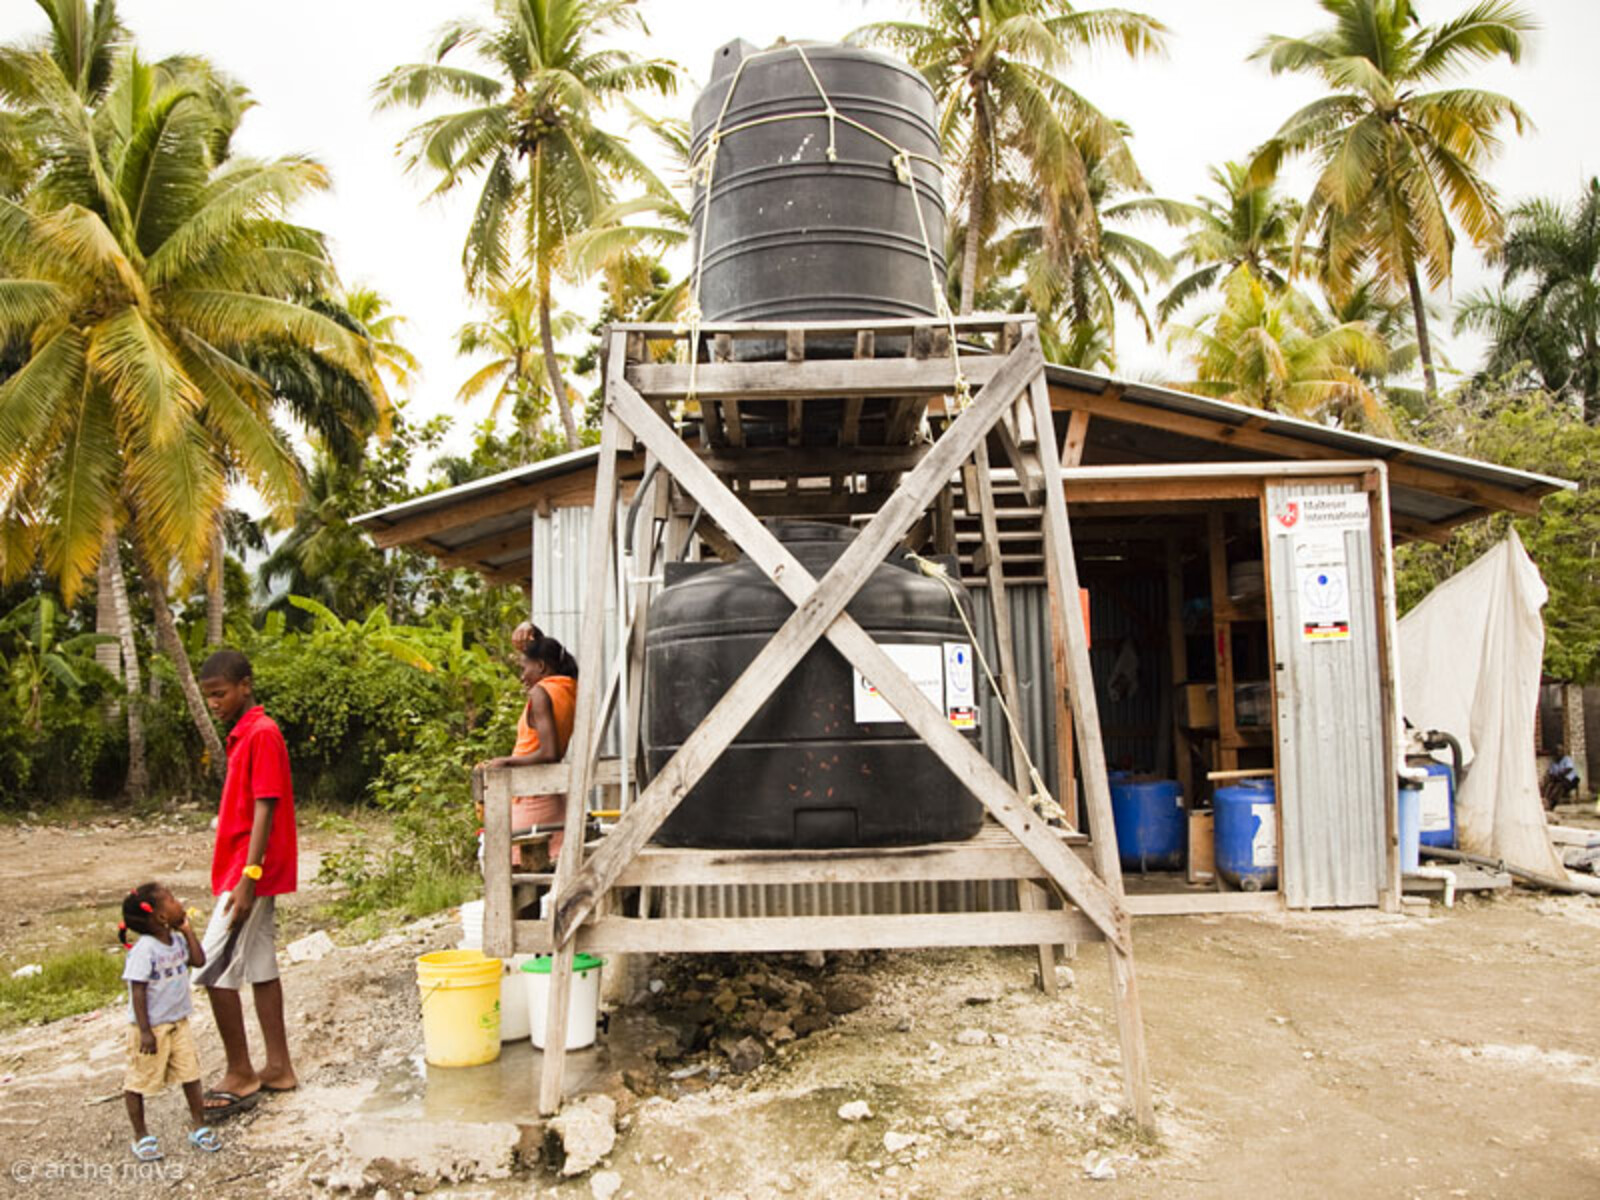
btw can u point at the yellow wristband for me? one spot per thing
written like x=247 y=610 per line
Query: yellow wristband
x=253 y=871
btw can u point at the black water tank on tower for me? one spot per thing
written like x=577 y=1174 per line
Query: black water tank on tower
x=792 y=234
x=825 y=762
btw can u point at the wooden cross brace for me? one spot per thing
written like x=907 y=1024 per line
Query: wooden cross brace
x=1015 y=387
x=819 y=611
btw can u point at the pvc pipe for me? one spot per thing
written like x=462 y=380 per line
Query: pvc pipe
x=1445 y=875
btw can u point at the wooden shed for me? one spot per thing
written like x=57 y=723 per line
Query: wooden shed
x=1201 y=530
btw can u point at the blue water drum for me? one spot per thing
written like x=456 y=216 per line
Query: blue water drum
x=1410 y=815
x=1247 y=834
x=1436 y=823
x=1152 y=824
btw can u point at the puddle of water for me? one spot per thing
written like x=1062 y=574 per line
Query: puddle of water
x=504 y=1090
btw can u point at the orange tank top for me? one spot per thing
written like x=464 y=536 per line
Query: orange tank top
x=563 y=693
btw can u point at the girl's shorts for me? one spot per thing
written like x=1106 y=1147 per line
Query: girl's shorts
x=175 y=1061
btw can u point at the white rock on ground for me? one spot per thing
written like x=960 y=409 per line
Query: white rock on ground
x=605 y=1184
x=587 y=1131
x=1097 y=1166
x=895 y=1141
x=972 y=1037
x=854 y=1110
x=311 y=948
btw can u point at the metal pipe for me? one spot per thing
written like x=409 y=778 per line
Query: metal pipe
x=1499 y=864
x=1438 y=739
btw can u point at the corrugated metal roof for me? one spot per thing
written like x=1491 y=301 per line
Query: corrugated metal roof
x=491 y=534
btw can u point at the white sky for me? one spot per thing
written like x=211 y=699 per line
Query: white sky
x=311 y=67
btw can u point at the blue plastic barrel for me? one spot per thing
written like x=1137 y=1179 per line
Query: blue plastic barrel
x=1437 y=820
x=1410 y=817
x=1247 y=834
x=1152 y=824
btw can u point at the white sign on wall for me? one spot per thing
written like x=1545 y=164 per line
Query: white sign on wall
x=942 y=673
x=1322 y=580
x=1321 y=514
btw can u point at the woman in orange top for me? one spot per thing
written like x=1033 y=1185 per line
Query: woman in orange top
x=550 y=680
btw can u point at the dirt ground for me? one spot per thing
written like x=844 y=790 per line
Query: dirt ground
x=1341 y=1055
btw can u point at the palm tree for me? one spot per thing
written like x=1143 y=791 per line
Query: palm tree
x=1248 y=226
x=141 y=276
x=1273 y=348
x=1551 y=326
x=1074 y=293
x=83 y=45
x=511 y=334
x=382 y=325
x=1376 y=304
x=1398 y=162
x=994 y=66
x=548 y=169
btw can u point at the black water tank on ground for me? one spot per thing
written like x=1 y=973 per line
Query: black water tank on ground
x=824 y=762
x=792 y=234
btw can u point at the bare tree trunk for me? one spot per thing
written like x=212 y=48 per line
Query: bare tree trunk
x=137 y=784
x=107 y=654
x=1430 y=383
x=214 y=596
x=172 y=646
x=977 y=183
x=553 y=368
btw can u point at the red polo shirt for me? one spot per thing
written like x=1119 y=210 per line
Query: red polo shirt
x=258 y=766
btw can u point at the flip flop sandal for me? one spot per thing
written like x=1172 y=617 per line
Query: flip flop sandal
x=205 y=1138
x=147 y=1149
x=233 y=1104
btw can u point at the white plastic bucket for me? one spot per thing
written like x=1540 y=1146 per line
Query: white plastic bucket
x=472 y=925
x=514 y=1000
x=583 y=1010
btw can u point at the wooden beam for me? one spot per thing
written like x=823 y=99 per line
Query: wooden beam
x=992 y=855
x=885 y=327
x=585 y=743
x=1408 y=475
x=474 y=553
x=1097 y=789
x=572 y=490
x=776 y=462
x=497 y=907
x=1158 y=491
x=1077 y=439
x=818 y=379
x=896 y=931
x=1222 y=642
x=1178 y=657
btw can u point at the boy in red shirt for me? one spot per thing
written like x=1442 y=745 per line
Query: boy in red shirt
x=255 y=861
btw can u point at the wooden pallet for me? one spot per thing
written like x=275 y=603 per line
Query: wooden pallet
x=890 y=466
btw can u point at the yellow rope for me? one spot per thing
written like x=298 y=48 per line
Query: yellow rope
x=1041 y=799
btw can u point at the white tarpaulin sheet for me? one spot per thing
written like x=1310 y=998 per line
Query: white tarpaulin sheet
x=1470 y=657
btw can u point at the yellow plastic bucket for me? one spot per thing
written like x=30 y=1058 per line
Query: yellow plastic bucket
x=460 y=1007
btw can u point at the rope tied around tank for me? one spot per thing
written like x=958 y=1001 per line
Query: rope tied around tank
x=1040 y=798
x=702 y=172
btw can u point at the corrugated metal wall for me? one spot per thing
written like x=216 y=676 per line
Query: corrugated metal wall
x=560 y=569
x=1030 y=631
x=1331 y=772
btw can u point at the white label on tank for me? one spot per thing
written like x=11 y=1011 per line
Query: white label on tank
x=1435 y=805
x=923 y=663
x=960 y=689
x=1264 y=846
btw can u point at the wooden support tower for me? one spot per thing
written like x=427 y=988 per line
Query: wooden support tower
x=836 y=424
